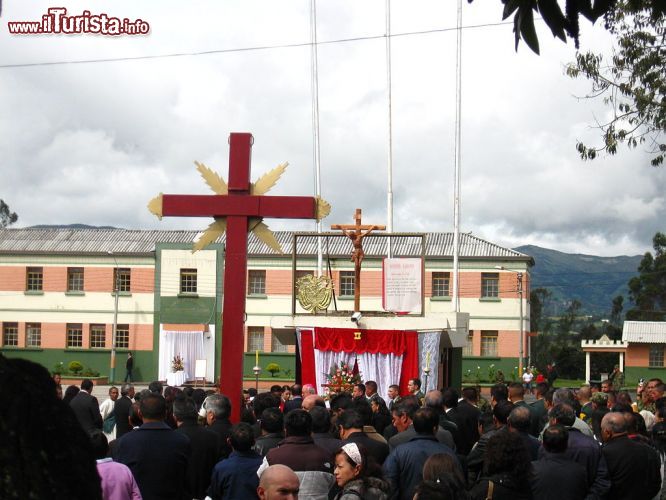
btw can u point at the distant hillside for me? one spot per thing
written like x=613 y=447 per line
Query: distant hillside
x=592 y=280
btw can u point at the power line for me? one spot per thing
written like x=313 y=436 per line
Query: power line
x=246 y=49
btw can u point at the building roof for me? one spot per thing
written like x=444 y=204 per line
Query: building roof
x=644 y=332
x=141 y=242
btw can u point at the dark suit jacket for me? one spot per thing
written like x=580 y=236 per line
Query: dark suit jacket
x=293 y=404
x=222 y=428
x=203 y=458
x=443 y=436
x=377 y=450
x=634 y=469
x=86 y=409
x=538 y=417
x=158 y=457
x=556 y=477
x=467 y=418
x=122 y=410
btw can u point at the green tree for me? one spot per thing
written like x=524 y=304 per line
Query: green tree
x=647 y=291
x=632 y=82
x=7 y=217
x=616 y=311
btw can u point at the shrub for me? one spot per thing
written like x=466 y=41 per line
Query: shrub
x=75 y=367
x=59 y=368
x=273 y=368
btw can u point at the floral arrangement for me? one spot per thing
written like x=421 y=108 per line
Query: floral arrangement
x=177 y=364
x=341 y=378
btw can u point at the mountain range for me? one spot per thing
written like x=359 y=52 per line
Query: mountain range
x=593 y=281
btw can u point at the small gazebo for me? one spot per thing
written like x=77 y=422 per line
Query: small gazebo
x=603 y=344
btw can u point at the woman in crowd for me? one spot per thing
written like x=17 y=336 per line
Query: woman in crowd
x=70 y=392
x=381 y=416
x=353 y=475
x=108 y=414
x=506 y=469
x=442 y=470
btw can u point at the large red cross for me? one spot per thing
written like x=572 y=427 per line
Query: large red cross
x=237 y=206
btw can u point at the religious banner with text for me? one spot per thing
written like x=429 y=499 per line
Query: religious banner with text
x=402 y=286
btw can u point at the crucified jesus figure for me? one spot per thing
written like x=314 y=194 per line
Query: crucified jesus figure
x=356 y=232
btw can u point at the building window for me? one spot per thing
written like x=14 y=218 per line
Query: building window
x=440 y=284
x=347 y=282
x=10 y=334
x=255 y=338
x=121 y=279
x=74 y=336
x=256 y=283
x=98 y=336
x=33 y=335
x=468 y=350
x=34 y=279
x=277 y=346
x=122 y=336
x=656 y=359
x=489 y=343
x=489 y=285
x=188 y=281
x=74 y=279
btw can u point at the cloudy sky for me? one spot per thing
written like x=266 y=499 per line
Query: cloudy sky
x=92 y=143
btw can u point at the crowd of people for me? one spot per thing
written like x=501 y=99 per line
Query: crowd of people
x=170 y=443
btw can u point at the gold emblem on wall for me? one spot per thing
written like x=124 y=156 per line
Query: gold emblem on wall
x=314 y=293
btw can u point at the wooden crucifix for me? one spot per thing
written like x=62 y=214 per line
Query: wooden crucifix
x=356 y=232
x=237 y=208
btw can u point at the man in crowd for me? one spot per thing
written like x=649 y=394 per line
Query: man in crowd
x=203 y=443
x=633 y=467
x=321 y=431
x=218 y=410
x=122 y=409
x=272 y=424
x=539 y=414
x=351 y=431
x=467 y=417
x=444 y=404
x=312 y=400
x=358 y=391
x=86 y=408
x=414 y=388
x=501 y=412
x=583 y=450
x=312 y=464
x=554 y=475
x=296 y=399
x=393 y=396
x=404 y=466
x=371 y=392
x=403 y=415
x=278 y=482
x=519 y=422
x=156 y=454
x=236 y=476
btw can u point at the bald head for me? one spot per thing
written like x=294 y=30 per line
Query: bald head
x=311 y=401
x=278 y=482
x=613 y=424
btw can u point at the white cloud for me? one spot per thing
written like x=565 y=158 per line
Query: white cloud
x=93 y=143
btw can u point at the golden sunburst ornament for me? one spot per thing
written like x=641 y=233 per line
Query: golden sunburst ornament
x=255 y=224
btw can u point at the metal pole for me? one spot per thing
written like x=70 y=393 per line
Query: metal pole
x=112 y=368
x=389 y=190
x=522 y=326
x=455 y=300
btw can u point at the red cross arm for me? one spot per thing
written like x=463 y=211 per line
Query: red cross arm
x=279 y=207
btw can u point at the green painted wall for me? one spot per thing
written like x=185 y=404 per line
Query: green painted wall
x=98 y=360
x=633 y=373
x=287 y=361
x=507 y=365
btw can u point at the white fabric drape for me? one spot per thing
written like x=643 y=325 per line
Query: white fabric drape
x=384 y=369
x=188 y=344
x=429 y=343
x=324 y=360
